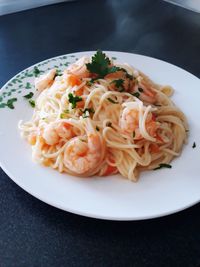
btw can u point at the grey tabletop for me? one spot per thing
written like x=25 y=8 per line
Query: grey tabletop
x=33 y=233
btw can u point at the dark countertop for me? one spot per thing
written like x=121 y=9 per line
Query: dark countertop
x=33 y=233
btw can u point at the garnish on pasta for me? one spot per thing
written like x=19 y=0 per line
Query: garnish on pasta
x=101 y=118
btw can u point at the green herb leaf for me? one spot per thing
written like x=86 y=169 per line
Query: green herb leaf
x=28 y=96
x=32 y=103
x=74 y=99
x=127 y=74
x=112 y=69
x=163 y=165
x=112 y=101
x=194 y=145
x=10 y=103
x=97 y=128
x=63 y=115
x=100 y=65
x=119 y=84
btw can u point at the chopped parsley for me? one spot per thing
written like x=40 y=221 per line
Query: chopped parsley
x=194 y=145
x=74 y=99
x=136 y=94
x=112 y=101
x=140 y=90
x=113 y=69
x=97 y=128
x=119 y=84
x=163 y=165
x=100 y=65
x=32 y=103
x=127 y=74
x=36 y=71
x=63 y=115
x=10 y=103
x=29 y=96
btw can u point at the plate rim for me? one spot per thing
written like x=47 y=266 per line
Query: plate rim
x=84 y=213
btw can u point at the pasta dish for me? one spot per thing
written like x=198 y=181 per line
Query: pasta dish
x=100 y=118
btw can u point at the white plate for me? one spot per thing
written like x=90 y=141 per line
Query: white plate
x=156 y=194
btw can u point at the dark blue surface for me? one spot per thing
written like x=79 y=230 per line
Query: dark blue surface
x=35 y=234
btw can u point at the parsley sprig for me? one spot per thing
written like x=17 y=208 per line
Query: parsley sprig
x=100 y=65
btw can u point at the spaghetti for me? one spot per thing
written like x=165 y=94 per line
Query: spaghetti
x=98 y=118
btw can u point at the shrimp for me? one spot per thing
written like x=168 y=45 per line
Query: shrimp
x=79 y=68
x=130 y=124
x=130 y=120
x=145 y=90
x=123 y=81
x=45 y=80
x=84 y=154
x=54 y=132
x=120 y=81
